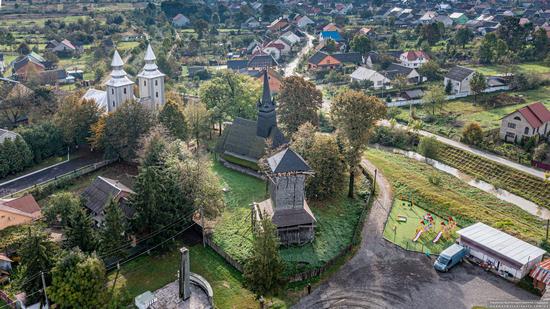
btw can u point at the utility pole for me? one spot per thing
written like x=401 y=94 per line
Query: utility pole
x=203 y=227
x=374 y=180
x=547 y=225
x=44 y=288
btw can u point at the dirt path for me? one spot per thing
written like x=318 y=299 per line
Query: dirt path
x=382 y=275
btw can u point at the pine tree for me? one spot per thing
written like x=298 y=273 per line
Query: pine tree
x=80 y=233
x=9 y=153
x=37 y=255
x=112 y=233
x=299 y=103
x=173 y=119
x=264 y=270
x=24 y=151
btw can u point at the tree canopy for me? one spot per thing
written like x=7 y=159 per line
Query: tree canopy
x=299 y=102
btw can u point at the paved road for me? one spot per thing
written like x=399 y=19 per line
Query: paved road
x=47 y=174
x=381 y=275
x=484 y=154
x=290 y=68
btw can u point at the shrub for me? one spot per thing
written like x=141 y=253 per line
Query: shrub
x=472 y=134
x=398 y=138
x=429 y=147
x=541 y=152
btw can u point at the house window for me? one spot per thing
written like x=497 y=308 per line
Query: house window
x=144 y=83
x=510 y=135
x=511 y=125
x=124 y=90
x=156 y=94
x=113 y=103
x=526 y=131
x=517 y=118
x=112 y=91
x=156 y=83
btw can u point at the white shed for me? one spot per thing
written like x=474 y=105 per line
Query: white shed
x=510 y=257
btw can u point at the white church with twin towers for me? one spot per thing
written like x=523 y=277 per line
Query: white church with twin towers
x=119 y=88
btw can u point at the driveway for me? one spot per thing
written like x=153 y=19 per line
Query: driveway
x=31 y=179
x=382 y=275
x=481 y=153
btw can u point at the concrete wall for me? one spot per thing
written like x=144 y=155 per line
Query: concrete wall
x=11 y=219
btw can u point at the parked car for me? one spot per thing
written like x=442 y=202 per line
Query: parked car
x=450 y=257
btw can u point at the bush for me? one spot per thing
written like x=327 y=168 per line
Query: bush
x=541 y=152
x=396 y=137
x=45 y=140
x=472 y=134
x=429 y=147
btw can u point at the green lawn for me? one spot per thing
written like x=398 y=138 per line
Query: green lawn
x=458 y=113
x=538 y=68
x=337 y=220
x=149 y=273
x=445 y=195
x=403 y=233
x=123 y=46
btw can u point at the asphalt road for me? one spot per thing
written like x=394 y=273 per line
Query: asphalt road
x=47 y=174
x=382 y=275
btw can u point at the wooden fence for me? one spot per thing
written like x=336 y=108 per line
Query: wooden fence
x=35 y=189
x=224 y=255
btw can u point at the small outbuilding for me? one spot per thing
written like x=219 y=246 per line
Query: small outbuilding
x=505 y=254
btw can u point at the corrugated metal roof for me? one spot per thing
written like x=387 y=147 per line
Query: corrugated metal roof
x=502 y=243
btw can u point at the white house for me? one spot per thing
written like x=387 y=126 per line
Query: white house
x=291 y=38
x=533 y=119
x=362 y=74
x=459 y=78
x=414 y=59
x=180 y=21
x=303 y=21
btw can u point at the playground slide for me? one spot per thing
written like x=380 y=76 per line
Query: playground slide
x=437 y=237
x=418 y=235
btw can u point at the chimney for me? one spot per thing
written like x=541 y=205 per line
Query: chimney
x=183 y=280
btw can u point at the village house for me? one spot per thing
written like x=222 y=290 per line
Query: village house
x=63 y=48
x=458 y=18
x=303 y=21
x=180 y=21
x=459 y=78
x=287 y=208
x=414 y=59
x=321 y=61
x=364 y=74
x=533 y=119
x=100 y=193
x=394 y=70
x=17 y=211
x=6 y=134
x=330 y=35
x=278 y=24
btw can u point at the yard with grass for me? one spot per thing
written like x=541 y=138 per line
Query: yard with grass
x=444 y=195
x=336 y=222
x=404 y=222
x=458 y=113
x=538 y=68
x=149 y=273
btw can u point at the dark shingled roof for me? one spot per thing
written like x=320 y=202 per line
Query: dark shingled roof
x=102 y=189
x=288 y=217
x=263 y=61
x=317 y=57
x=395 y=70
x=459 y=73
x=237 y=64
x=354 y=57
x=240 y=139
x=287 y=161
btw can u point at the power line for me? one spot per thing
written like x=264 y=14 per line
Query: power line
x=148 y=236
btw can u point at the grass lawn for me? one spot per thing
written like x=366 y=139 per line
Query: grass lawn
x=123 y=46
x=445 y=195
x=463 y=111
x=402 y=233
x=149 y=273
x=337 y=219
x=538 y=68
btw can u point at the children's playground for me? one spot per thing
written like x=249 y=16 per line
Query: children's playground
x=415 y=229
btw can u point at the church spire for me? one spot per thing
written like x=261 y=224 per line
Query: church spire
x=267 y=118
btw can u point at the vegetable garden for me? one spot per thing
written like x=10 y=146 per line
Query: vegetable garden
x=519 y=183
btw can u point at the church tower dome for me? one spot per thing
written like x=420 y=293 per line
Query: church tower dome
x=119 y=87
x=151 y=80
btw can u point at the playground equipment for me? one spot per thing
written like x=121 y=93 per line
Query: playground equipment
x=425 y=225
x=446 y=228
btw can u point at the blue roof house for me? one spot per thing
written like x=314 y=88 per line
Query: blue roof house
x=333 y=35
